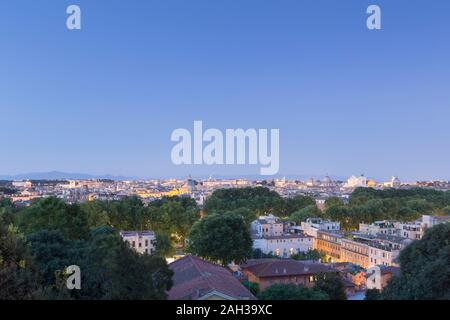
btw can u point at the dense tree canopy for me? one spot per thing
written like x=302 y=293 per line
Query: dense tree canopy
x=331 y=283
x=54 y=214
x=57 y=235
x=368 y=205
x=19 y=279
x=310 y=211
x=225 y=238
x=258 y=200
x=425 y=268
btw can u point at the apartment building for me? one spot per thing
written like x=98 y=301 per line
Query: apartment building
x=283 y=246
x=378 y=227
x=267 y=226
x=355 y=252
x=329 y=243
x=312 y=225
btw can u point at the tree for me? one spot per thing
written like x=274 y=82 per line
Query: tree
x=446 y=210
x=373 y=294
x=97 y=213
x=53 y=214
x=53 y=253
x=292 y=292
x=7 y=216
x=258 y=254
x=173 y=216
x=310 y=255
x=127 y=214
x=331 y=283
x=223 y=238
x=305 y=213
x=164 y=246
x=297 y=204
x=19 y=278
x=259 y=200
x=112 y=270
x=424 y=268
x=333 y=202
x=253 y=287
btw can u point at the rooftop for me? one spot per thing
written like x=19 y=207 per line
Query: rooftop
x=276 y=267
x=194 y=278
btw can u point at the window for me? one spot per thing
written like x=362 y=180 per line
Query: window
x=134 y=244
x=146 y=243
x=140 y=244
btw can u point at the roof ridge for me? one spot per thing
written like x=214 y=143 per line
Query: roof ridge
x=268 y=265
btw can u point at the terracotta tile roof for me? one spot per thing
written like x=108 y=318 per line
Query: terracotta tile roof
x=194 y=278
x=278 y=267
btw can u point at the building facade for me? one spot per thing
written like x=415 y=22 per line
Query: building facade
x=285 y=245
x=141 y=241
x=329 y=243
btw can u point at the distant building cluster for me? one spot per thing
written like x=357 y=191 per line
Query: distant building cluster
x=23 y=192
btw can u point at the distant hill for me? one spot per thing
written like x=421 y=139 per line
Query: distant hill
x=57 y=175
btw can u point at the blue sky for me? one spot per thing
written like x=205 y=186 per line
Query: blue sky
x=105 y=99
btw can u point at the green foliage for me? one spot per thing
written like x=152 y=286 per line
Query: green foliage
x=223 y=238
x=252 y=287
x=314 y=255
x=7 y=215
x=259 y=200
x=368 y=205
x=173 y=216
x=425 y=268
x=331 y=283
x=333 y=202
x=53 y=214
x=112 y=270
x=164 y=245
x=19 y=278
x=127 y=214
x=52 y=253
x=258 y=254
x=310 y=211
x=292 y=292
x=58 y=235
x=373 y=294
x=446 y=210
x=298 y=203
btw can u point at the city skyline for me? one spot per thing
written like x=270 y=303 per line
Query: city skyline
x=105 y=99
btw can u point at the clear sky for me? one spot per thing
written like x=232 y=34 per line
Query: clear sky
x=106 y=98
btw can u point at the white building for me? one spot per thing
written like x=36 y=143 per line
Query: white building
x=378 y=227
x=142 y=242
x=382 y=255
x=267 y=226
x=355 y=182
x=285 y=245
x=410 y=230
x=431 y=221
x=394 y=183
x=22 y=184
x=312 y=225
